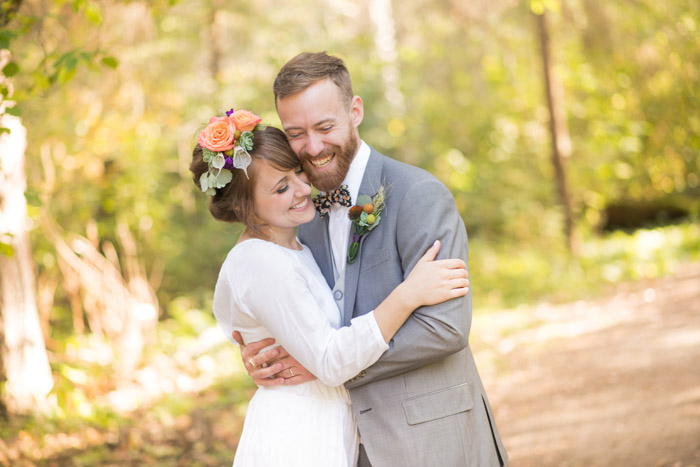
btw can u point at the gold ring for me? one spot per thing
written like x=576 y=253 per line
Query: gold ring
x=291 y=372
x=251 y=362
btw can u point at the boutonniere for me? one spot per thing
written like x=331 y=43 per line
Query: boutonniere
x=365 y=216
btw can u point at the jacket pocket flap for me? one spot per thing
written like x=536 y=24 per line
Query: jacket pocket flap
x=438 y=404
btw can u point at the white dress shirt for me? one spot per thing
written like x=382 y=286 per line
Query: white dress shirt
x=338 y=221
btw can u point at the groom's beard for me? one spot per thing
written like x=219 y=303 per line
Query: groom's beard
x=331 y=179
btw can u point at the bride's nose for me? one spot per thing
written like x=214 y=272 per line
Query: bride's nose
x=302 y=187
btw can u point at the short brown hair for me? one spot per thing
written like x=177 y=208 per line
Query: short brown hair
x=308 y=68
x=235 y=202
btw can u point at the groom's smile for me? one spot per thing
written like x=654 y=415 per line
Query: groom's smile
x=322 y=161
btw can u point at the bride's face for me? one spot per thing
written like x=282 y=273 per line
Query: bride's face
x=282 y=198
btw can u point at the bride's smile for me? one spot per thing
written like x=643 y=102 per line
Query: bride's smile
x=282 y=201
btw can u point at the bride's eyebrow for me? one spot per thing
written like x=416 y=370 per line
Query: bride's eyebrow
x=283 y=179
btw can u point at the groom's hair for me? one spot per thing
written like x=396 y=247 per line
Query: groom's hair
x=308 y=68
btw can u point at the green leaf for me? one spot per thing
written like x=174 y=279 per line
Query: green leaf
x=204 y=181
x=66 y=74
x=13 y=111
x=4 y=130
x=207 y=155
x=10 y=69
x=32 y=198
x=363 y=199
x=110 y=62
x=224 y=177
x=78 y=4
x=5 y=38
x=93 y=13
x=352 y=252
x=246 y=140
x=7 y=250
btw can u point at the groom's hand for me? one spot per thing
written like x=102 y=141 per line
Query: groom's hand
x=273 y=367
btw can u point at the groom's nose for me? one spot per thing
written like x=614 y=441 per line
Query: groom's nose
x=314 y=145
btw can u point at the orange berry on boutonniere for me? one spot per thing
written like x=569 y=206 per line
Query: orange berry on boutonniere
x=368 y=208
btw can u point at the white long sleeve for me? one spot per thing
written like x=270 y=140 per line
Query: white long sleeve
x=265 y=290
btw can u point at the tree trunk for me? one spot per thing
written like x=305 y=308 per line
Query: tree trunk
x=381 y=14
x=559 y=131
x=24 y=365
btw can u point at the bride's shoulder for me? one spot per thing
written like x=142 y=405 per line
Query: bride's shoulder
x=254 y=255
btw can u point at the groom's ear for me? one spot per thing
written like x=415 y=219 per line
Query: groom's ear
x=357 y=111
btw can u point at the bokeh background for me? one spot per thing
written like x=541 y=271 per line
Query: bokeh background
x=568 y=132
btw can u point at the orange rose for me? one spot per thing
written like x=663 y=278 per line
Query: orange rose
x=218 y=136
x=245 y=120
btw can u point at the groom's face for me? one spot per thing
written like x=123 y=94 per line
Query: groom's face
x=322 y=130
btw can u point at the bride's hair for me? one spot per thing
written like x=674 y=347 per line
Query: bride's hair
x=234 y=202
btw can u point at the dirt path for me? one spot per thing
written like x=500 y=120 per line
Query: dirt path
x=614 y=382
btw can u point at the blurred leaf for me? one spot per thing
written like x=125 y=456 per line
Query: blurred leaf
x=65 y=74
x=10 y=69
x=6 y=37
x=93 y=13
x=110 y=61
x=13 y=111
x=33 y=198
x=6 y=250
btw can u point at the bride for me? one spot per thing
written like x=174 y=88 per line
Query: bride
x=270 y=286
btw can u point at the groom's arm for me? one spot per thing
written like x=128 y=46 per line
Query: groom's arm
x=426 y=213
x=271 y=367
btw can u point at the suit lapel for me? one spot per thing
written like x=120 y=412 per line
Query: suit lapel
x=315 y=236
x=369 y=186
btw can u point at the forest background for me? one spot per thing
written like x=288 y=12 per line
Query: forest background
x=568 y=132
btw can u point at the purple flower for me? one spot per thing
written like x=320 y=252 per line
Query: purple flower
x=229 y=163
x=229 y=112
x=356 y=238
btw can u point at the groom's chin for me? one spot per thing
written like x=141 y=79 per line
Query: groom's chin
x=324 y=181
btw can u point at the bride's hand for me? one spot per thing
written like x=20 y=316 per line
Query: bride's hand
x=435 y=281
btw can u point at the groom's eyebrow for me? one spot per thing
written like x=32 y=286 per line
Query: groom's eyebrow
x=324 y=121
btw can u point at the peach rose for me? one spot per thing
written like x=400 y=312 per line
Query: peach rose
x=245 y=120
x=219 y=135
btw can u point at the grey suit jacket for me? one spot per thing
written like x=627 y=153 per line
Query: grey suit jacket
x=423 y=403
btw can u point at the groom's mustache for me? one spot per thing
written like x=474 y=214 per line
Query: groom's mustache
x=324 y=153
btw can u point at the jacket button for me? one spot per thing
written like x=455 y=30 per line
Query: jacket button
x=337 y=294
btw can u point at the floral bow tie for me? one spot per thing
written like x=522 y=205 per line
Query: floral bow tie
x=324 y=201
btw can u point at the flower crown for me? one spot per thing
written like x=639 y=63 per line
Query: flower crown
x=225 y=143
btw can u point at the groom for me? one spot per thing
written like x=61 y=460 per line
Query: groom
x=422 y=403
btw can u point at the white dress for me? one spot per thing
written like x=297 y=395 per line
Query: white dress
x=266 y=290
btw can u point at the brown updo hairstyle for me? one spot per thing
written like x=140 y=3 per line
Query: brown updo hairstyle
x=234 y=202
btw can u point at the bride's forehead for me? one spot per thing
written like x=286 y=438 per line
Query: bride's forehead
x=268 y=173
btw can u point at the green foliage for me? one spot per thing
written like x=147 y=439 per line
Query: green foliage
x=10 y=69
x=6 y=249
x=506 y=274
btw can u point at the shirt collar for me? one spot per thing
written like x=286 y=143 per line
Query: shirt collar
x=353 y=179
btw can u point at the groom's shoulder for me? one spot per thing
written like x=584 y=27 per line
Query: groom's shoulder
x=406 y=172
x=409 y=177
